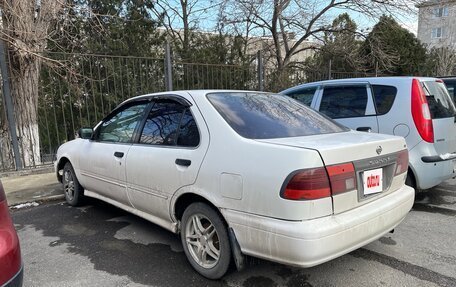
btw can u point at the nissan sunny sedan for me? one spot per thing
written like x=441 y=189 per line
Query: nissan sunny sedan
x=239 y=173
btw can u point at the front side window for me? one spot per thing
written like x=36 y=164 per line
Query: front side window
x=304 y=95
x=440 y=103
x=344 y=101
x=265 y=116
x=120 y=127
x=170 y=123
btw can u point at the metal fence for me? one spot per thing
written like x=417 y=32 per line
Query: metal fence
x=80 y=89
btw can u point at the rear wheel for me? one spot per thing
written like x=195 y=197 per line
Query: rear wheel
x=205 y=240
x=74 y=193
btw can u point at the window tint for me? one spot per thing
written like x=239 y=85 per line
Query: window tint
x=170 y=123
x=344 y=101
x=120 y=127
x=440 y=103
x=384 y=98
x=305 y=95
x=188 y=132
x=451 y=85
x=263 y=116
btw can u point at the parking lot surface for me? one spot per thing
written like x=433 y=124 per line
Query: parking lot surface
x=100 y=245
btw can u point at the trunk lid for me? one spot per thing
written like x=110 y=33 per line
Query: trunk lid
x=371 y=154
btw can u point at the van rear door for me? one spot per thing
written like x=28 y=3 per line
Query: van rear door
x=443 y=114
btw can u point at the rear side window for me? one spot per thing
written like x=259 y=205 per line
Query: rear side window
x=440 y=103
x=451 y=84
x=169 y=123
x=344 y=101
x=304 y=95
x=265 y=116
x=384 y=98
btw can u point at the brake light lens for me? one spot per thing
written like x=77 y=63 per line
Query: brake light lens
x=421 y=113
x=342 y=177
x=308 y=184
x=402 y=162
x=2 y=193
x=320 y=182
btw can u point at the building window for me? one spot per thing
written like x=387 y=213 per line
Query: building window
x=440 y=12
x=437 y=33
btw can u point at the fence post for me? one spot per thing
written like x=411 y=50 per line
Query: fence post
x=329 y=69
x=376 y=68
x=9 y=105
x=168 y=68
x=260 y=71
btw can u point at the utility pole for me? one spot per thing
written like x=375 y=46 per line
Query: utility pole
x=9 y=105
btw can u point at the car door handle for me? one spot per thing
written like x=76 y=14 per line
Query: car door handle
x=364 y=129
x=119 y=154
x=183 y=162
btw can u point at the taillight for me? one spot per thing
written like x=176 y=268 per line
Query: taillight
x=342 y=177
x=2 y=193
x=320 y=182
x=307 y=184
x=402 y=162
x=421 y=113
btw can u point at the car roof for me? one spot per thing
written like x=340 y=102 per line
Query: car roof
x=356 y=80
x=187 y=93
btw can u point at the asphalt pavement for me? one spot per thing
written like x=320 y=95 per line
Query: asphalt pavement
x=100 y=245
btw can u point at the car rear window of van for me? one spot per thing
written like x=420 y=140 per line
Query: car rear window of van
x=265 y=116
x=439 y=100
x=451 y=85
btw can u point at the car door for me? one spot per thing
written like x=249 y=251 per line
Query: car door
x=349 y=104
x=102 y=159
x=167 y=156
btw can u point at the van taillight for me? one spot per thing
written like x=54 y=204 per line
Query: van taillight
x=320 y=182
x=402 y=162
x=421 y=113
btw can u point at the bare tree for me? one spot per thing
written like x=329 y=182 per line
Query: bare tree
x=290 y=23
x=25 y=28
x=444 y=61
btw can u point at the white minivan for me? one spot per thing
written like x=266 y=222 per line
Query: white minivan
x=416 y=108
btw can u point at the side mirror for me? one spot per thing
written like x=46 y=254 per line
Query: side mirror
x=85 y=133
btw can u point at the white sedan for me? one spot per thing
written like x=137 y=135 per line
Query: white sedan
x=241 y=173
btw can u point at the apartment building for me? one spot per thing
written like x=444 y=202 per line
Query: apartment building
x=437 y=23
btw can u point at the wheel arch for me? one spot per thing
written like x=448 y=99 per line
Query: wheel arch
x=60 y=165
x=185 y=199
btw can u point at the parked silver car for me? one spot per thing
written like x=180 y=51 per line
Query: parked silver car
x=416 y=108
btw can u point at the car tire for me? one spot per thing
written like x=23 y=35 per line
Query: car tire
x=73 y=191
x=410 y=180
x=205 y=240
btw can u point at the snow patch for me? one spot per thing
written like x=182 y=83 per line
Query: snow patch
x=25 y=205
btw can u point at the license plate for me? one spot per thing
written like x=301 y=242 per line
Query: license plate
x=373 y=181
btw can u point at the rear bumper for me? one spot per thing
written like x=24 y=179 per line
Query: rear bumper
x=312 y=242
x=17 y=280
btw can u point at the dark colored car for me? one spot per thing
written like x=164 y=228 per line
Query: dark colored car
x=450 y=82
x=10 y=252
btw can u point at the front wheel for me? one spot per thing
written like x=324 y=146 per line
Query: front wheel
x=74 y=193
x=205 y=240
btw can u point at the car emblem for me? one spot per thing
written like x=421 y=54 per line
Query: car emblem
x=379 y=150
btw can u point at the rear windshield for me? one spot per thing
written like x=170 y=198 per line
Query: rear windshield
x=265 y=116
x=440 y=103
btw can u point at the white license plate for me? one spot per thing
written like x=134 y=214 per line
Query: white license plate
x=373 y=181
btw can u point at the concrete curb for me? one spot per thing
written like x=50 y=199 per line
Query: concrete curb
x=38 y=170
x=39 y=200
